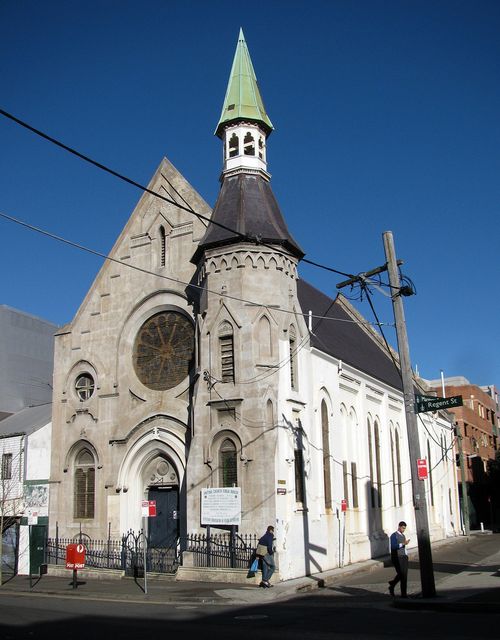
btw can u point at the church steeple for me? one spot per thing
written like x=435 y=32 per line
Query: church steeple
x=246 y=209
x=244 y=124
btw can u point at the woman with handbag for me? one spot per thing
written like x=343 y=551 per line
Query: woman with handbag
x=265 y=551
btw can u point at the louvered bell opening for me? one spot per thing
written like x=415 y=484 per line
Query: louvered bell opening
x=227 y=358
x=84 y=492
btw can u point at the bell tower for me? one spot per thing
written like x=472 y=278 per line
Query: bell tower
x=244 y=125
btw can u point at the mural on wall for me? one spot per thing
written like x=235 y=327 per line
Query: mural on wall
x=37 y=499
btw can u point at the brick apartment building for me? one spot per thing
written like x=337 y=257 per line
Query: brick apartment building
x=477 y=423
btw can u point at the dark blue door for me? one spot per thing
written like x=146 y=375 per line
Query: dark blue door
x=164 y=527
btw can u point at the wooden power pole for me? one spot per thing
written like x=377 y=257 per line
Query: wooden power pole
x=418 y=487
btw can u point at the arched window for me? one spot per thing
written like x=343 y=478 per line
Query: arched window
x=228 y=467
x=249 y=144
x=226 y=352
x=269 y=414
x=370 y=460
x=84 y=485
x=264 y=338
x=431 y=484
x=353 y=440
x=393 y=465
x=377 y=463
x=292 y=340
x=163 y=246
x=327 y=479
x=398 y=468
x=261 y=148
x=234 y=146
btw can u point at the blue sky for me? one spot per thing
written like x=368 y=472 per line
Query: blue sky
x=386 y=117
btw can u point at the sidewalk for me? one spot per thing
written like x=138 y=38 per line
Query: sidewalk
x=477 y=587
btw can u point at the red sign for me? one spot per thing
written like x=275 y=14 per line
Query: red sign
x=422 y=471
x=75 y=556
x=148 y=508
x=343 y=505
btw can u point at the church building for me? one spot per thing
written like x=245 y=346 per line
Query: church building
x=199 y=359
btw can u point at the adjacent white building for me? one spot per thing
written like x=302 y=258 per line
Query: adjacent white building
x=25 y=444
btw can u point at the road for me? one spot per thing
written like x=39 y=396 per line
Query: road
x=359 y=608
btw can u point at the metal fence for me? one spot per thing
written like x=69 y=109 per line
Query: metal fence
x=224 y=550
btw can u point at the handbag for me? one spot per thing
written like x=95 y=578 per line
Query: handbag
x=261 y=550
x=253 y=568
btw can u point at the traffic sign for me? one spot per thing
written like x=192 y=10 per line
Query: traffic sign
x=422 y=470
x=148 y=508
x=431 y=403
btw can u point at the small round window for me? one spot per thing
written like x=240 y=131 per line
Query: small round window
x=84 y=386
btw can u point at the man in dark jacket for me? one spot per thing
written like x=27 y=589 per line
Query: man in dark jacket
x=267 y=561
x=399 y=559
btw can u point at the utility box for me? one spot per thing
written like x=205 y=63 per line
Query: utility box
x=75 y=556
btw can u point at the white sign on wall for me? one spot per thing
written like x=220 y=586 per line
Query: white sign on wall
x=221 y=506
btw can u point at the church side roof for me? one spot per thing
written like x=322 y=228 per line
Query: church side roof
x=338 y=336
x=243 y=100
x=247 y=206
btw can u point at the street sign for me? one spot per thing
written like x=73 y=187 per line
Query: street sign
x=148 y=508
x=422 y=471
x=431 y=403
x=343 y=505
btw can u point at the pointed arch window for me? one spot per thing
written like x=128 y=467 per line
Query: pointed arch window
x=163 y=246
x=84 y=486
x=234 y=146
x=269 y=414
x=292 y=341
x=378 y=466
x=431 y=484
x=264 y=338
x=228 y=464
x=327 y=476
x=249 y=144
x=393 y=466
x=370 y=461
x=226 y=352
x=398 y=468
x=353 y=441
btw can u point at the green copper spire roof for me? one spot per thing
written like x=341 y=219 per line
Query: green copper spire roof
x=243 y=100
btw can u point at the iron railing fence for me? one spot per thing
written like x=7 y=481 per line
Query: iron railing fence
x=224 y=550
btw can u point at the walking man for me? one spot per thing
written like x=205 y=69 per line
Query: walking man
x=266 y=551
x=399 y=559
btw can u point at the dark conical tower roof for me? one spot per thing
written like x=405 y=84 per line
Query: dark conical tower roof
x=248 y=210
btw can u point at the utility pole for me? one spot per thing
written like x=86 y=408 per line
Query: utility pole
x=418 y=487
x=419 y=501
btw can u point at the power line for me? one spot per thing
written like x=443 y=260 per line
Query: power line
x=99 y=254
x=136 y=184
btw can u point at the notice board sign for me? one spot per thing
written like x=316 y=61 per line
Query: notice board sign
x=221 y=506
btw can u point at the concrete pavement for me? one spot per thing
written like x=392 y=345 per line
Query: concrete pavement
x=462 y=585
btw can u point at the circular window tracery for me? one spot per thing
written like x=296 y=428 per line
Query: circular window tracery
x=163 y=350
x=84 y=386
